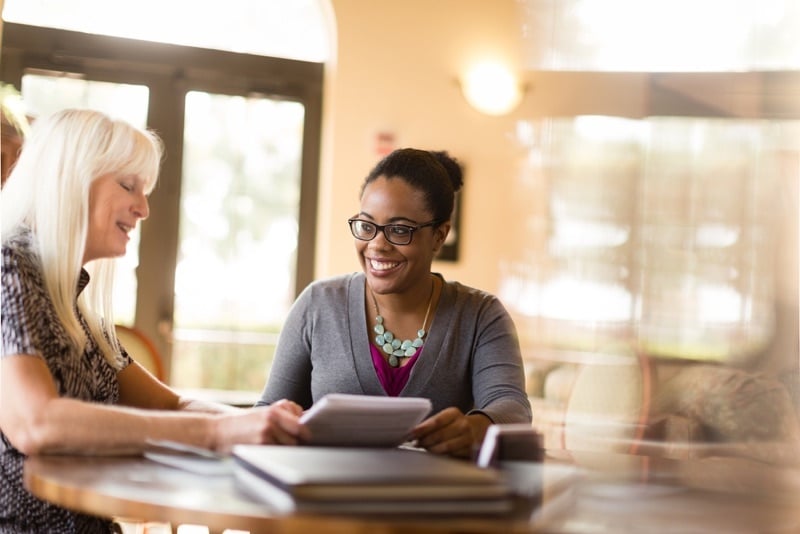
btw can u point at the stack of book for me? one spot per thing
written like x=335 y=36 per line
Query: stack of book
x=345 y=480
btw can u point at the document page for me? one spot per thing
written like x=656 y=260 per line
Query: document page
x=363 y=420
x=188 y=458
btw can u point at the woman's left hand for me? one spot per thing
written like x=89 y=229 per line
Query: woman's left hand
x=451 y=432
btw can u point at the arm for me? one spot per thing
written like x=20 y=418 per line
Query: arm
x=37 y=417
x=290 y=374
x=36 y=420
x=497 y=378
x=138 y=388
x=498 y=373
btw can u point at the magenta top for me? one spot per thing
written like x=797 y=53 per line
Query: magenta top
x=393 y=379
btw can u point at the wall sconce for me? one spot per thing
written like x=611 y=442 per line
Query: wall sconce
x=491 y=88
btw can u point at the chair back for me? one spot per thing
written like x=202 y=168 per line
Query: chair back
x=141 y=348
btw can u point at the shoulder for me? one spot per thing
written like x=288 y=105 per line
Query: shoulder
x=471 y=296
x=324 y=299
x=472 y=305
x=19 y=260
x=332 y=287
x=18 y=247
x=29 y=320
x=323 y=295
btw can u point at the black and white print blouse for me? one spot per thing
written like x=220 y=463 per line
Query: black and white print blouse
x=30 y=327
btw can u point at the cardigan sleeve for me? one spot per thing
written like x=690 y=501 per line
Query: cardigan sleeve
x=290 y=374
x=498 y=377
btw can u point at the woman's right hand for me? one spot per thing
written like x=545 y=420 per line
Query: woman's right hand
x=278 y=423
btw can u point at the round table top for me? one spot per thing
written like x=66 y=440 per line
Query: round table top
x=135 y=488
x=619 y=493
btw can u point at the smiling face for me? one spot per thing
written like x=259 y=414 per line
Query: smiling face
x=116 y=204
x=397 y=268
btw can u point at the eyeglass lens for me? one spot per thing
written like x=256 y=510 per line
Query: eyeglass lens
x=397 y=234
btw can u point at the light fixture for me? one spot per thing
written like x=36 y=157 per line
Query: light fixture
x=491 y=88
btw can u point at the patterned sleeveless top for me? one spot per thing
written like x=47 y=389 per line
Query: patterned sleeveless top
x=30 y=326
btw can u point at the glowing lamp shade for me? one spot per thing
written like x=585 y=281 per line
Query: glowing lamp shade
x=491 y=88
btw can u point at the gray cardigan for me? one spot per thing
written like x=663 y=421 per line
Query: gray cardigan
x=471 y=357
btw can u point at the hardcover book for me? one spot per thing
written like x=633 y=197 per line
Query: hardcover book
x=367 y=480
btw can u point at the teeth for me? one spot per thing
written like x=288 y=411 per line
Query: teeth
x=383 y=265
x=124 y=227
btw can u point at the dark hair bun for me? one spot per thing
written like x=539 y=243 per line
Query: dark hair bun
x=452 y=166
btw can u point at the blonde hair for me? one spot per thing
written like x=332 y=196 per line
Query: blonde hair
x=47 y=193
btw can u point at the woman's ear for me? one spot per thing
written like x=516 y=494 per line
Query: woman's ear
x=440 y=236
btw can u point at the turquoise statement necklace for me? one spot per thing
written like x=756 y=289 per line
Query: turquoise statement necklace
x=391 y=345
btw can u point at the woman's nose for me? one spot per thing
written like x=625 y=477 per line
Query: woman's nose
x=142 y=207
x=380 y=242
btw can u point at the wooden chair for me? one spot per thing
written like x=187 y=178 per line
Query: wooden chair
x=141 y=348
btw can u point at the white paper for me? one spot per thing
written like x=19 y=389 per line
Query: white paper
x=188 y=457
x=363 y=420
x=193 y=464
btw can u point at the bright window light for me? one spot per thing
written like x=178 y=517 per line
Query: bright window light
x=293 y=29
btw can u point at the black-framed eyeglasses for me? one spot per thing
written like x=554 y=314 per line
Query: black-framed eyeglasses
x=396 y=234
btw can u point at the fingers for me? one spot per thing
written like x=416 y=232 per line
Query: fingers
x=447 y=432
x=290 y=406
x=277 y=424
x=283 y=426
x=436 y=423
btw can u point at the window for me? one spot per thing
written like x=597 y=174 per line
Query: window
x=291 y=29
x=239 y=178
x=661 y=35
x=238 y=237
x=656 y=235
x=658 y=254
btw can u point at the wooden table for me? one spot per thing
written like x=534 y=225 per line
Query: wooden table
x=614 y=493
x=136 y=488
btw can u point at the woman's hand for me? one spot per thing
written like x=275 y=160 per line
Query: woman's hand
x=451 y=432
x=275 y=424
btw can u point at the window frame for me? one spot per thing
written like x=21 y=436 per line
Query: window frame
x=170 y=71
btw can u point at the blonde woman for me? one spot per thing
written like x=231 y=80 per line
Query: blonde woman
x=66 y=385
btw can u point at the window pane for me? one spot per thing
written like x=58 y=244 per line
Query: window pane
x=234 y=281
x=667 y=242
x=46 y=93
x=667 y=225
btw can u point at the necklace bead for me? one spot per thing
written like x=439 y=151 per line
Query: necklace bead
x=392 y=346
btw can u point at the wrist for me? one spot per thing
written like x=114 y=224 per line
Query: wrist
x=212 y=432
x=479 y=422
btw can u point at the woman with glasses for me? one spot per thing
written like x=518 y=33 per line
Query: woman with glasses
x=397 y=328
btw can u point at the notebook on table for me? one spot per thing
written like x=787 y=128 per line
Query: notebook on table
x=340 y=419
x=367 y=480
x=188 y=458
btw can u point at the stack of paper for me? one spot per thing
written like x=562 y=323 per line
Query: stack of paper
x=367 y=480
x=188 y=457
x=363 y=420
